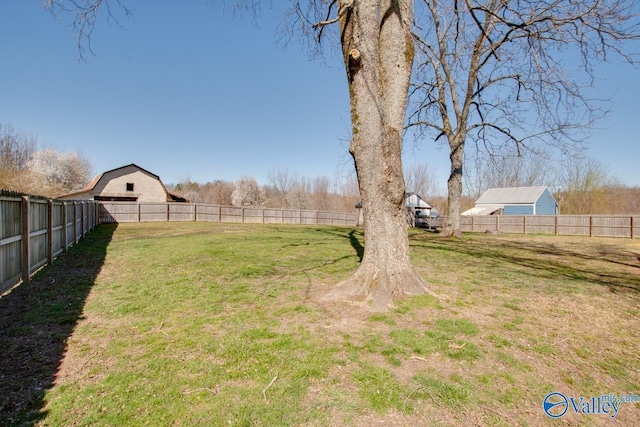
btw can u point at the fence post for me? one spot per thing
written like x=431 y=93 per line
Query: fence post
x=50 y=232
x=590 y=226
x=64 y=227
x=631 y=226
x=497 y=222
x=195 y=212
x=556 y=226
x=26 y=259
x=263 y=215
x=219 y=214
x=242 y=216
x=524 y=224
x=75 y=222
x=82 y=224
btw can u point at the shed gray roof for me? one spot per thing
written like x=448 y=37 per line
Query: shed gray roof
x=512 y=195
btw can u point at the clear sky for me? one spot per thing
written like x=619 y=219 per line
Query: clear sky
x=194 y=92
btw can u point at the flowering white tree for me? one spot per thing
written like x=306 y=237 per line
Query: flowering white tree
x=246 y=192
x=59 y=173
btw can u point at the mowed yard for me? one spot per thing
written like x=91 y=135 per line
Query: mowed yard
x=189 y=324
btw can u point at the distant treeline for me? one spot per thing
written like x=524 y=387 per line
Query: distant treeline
x=284 y=190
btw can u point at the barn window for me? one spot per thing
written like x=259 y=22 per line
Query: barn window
x=129 y=186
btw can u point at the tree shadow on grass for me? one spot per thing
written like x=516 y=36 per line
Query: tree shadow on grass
x=355 y=243
x=37 y=319
x=354 y=240
x=610 y=266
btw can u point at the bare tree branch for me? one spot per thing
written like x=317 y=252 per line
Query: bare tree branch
x=85 y=14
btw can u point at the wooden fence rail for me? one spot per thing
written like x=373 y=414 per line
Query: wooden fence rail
x=148 y=212
x=569 y=225
x=34 y=230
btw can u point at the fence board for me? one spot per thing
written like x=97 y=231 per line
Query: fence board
x=70 y=222
x=540 y=224
x=611 y=226
x=272 y=216
x=181 y=211
x=11 y=271
x=150 y=212
x=111 y=212
x=230 y=214
x=208 y=213
x=38 y=238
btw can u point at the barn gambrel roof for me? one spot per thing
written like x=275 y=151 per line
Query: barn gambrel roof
x=96 y=179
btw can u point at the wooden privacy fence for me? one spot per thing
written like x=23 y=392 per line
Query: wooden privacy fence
x=570 y=225
x=35 y=230
x=147 y=212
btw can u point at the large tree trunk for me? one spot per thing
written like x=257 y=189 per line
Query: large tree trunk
x=454 y=186
x=378 y=51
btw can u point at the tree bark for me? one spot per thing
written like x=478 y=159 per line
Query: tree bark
x=454 y=187
x=378 y=55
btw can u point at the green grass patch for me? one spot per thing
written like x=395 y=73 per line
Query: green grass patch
x=445 y=393
x=379 y=388
x=220 y=324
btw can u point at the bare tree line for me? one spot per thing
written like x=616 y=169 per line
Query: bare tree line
x=581 y=185
x=26 y=167
x=285 y=189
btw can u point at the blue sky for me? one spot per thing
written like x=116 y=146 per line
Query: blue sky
x=194 y=92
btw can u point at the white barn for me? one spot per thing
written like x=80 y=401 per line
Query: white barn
x=129 y=183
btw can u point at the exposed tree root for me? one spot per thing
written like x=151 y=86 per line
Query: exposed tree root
x=451 y=232
x=377 y=288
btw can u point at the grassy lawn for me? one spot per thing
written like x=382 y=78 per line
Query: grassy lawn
x=189 y=324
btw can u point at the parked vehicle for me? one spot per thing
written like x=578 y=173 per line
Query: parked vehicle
x=426 y=219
